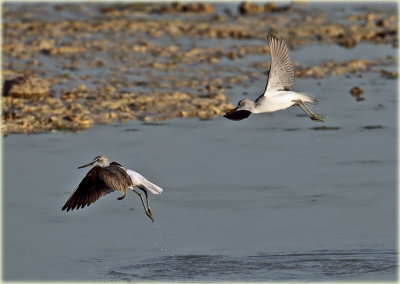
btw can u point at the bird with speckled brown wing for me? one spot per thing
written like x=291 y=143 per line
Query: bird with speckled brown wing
x=105 y=178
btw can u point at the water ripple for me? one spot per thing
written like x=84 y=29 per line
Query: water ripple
x=324 y=265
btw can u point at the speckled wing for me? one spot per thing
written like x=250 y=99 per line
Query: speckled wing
x=281 y=74
x=123 y=180
x=93 y=186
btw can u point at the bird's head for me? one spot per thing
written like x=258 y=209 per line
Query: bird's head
x=241 y=111
x=101 y=161
x=245 y=104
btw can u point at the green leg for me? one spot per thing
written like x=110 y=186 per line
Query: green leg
x=312 y=115
x=148 y=213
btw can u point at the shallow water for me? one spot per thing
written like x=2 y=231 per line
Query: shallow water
x=274 y=197
x=261 y=194
x=318 y=265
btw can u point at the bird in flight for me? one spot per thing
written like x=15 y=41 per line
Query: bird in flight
x=106 y=177
x=277 y=94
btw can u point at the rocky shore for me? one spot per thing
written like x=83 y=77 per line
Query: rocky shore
x=70 y=66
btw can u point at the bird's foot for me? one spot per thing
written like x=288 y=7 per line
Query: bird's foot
x=121 y=197
x=318 y=118
x=150 y=215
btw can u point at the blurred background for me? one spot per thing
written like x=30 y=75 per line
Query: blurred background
x=274 y=197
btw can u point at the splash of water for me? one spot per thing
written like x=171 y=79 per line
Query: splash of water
x=160 y=242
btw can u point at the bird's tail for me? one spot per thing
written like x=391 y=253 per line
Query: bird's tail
x=138 y=179
x=153 y=188
x=307 y=98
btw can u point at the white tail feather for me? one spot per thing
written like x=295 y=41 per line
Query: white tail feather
x=307 y=98
x=139 y=180
x=155 y=189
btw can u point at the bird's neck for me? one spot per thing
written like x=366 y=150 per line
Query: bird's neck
x=250 y=106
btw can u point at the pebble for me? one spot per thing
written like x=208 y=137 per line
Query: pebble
x=357 y=92
x=27 y=87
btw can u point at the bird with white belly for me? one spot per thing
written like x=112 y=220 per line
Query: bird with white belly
x=106 y=177
x=277 y=94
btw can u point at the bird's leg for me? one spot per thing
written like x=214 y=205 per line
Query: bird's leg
x=147 y=204
x=310 y=114
x=147 y=199
x=123 y=196
x=148 y=213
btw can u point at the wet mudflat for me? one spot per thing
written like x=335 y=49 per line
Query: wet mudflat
x=273 y=197
x=69 y=67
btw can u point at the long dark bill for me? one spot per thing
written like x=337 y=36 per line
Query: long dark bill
x=237 y=114
x=87 y=165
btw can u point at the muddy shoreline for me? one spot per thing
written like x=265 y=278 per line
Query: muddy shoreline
x=160 y=61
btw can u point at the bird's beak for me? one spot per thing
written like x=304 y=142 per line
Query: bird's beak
x=87 y=165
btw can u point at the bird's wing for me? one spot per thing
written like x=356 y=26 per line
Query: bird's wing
x=237 y=114
x=281 y=74
x=122 y=180
x=139 y=180
x=91 y=188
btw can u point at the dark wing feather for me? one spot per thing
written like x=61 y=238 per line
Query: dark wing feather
x=237 y=114
x=91 y=188
x=281 y=74
x=124 y=179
